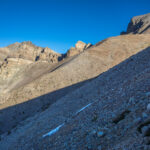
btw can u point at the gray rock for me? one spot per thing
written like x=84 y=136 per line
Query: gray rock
x=147 y=94
x=148 y=107
x=139 y=24
x=100 y=134
x=146 y=130
x=144 y=115
x=99 y=147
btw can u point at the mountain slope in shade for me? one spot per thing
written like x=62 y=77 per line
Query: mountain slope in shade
x=74 y=70
x=108 y=112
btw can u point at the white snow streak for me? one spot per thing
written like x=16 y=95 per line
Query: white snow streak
x=58 y=127
x=83 y=108
x=53 y=131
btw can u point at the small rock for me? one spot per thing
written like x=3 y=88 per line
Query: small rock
x=148 y=107
x=80 y=45
x=147 y=140
x=144 y=115
x=148 y=94
x=93 y=132
x=99 y=147
x=100 y=134
x=146 y=131
x=131 y=100
x=138 y=120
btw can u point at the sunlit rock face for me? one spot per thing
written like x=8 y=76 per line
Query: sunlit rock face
x=79 y=47
x=139 y=25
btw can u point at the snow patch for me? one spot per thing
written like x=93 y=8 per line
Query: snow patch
x=53 y=131
x=84 y=108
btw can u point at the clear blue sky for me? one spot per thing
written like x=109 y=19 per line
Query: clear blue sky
x=58 y=24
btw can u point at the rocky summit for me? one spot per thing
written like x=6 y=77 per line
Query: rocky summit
x=139 y=25
x=94 y=97
x=79 y=47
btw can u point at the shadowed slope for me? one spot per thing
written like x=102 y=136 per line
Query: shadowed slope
x=120 y=89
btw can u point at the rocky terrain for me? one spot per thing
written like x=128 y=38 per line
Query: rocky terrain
x=139 y=25
x=96 y=98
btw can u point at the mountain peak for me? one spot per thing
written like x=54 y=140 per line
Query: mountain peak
x=139 y=25
x=79 y=47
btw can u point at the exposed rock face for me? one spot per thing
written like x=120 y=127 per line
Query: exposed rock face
x=139 y=25
x=29 y=51
x=79 y=47
x=19 y=57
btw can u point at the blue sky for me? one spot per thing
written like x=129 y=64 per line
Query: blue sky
x=58 y=24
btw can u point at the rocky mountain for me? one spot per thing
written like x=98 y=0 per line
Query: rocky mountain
x=17 y=58
x=29 y=51
x=96 y=98
x=139 y=25
x=107 y=112
x=23 y=62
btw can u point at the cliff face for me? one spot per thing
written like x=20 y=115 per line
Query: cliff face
x=29 y=51
x=139 y=25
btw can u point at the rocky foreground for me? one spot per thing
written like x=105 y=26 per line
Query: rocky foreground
x=139 y=25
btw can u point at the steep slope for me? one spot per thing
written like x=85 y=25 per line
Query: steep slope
x=109 y=112
x=139 y=24
x=75 y=70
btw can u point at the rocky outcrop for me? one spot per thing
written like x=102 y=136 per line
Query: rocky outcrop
x=79 y=47
x=139 y=25
x=27 y=50
x=106 y=113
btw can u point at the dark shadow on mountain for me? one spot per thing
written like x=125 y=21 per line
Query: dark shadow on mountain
x=11 y=116
x=145 y=29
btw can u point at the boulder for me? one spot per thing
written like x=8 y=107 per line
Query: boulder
x=79 y=47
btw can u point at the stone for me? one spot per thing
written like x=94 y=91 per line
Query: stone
x=146 y=131
x=148 y=94
x=144 y=115
x=131 y=100
x=148 y=107
x=99 y=147
x=100 y=133
x=88 y=46
x=147 y=140
x=93 y=132
x=80 y=45
x=137 y=120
